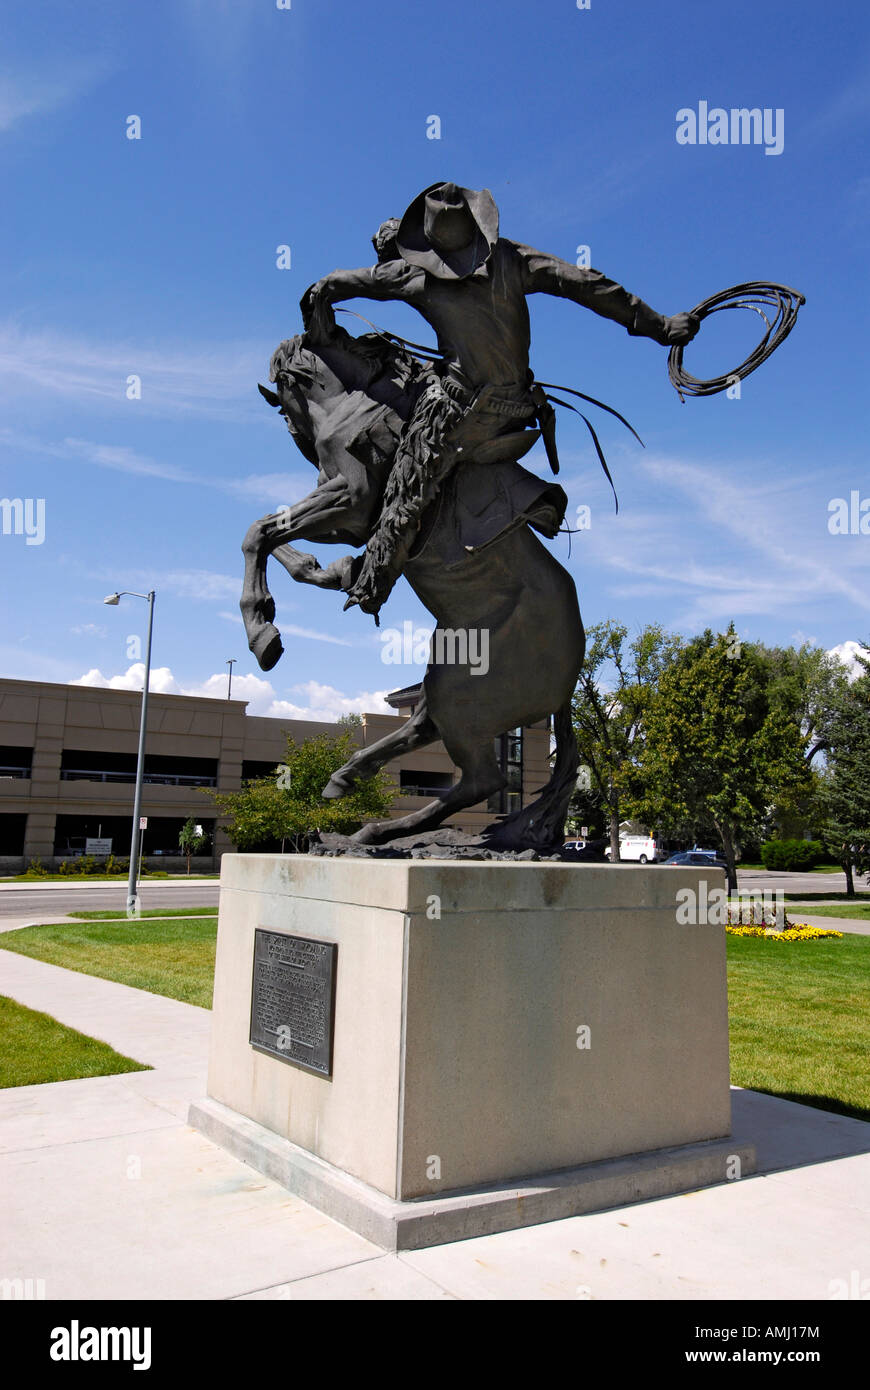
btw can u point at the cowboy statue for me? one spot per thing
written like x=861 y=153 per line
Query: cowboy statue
x=417 y=455
x=446 y=258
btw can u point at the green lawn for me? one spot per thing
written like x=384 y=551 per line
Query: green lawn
x=807 y=898
x=35 y=1048
x=798 y=1017
x=860 y=911
x=175 y=957
x=77 y=879
x=115 y=915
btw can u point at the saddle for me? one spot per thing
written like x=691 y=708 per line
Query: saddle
x=488 y=500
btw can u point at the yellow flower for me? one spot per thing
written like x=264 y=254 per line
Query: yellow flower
x=799 y=931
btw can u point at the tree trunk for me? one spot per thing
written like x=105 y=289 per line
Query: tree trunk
x=188 y=864
x=850 y=878
x=730 y=852
x=614 y=835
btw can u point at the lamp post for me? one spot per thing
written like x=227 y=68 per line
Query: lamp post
x=132 y=896
x=231 y=661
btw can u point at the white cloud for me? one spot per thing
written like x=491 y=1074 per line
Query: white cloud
x=847 y=653
x=288 y=630
x=292 y=631
x=218 y=381
x=33 y=93
x=271 y=490
x=162 y=680
x=275 y=489
x=200 y=585
x=124 y=460
x=90 y=630
x=323 y=704
x=727 y=545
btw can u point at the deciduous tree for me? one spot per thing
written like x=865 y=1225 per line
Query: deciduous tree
x=288 y=806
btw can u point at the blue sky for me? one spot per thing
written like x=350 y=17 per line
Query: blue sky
x=306 y=127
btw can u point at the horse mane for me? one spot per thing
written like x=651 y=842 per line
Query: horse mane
x=370 y=364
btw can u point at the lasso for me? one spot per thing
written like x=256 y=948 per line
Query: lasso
x=776 y=304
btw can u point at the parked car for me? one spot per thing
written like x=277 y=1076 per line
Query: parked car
x=584 y=851
x=695 y=859
x=643 y=849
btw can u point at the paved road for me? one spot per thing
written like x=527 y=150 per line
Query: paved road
x=40 y=902
x=759 y=880
x=44 y=902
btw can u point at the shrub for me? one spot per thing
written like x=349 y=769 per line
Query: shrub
x=37 y=869
x=792 y=855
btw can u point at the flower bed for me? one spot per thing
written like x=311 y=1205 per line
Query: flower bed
x=795 y=931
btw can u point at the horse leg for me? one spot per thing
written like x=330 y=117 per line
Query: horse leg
x=481 y=777
x=541 y=824
x=416 y=732
x=321 y=511
x=306 y=569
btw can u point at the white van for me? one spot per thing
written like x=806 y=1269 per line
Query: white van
x=641 y=848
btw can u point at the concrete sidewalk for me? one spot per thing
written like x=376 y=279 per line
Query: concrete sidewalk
x=855 y=926
x=64 y=920
x=16 y=923
x=107 y=1193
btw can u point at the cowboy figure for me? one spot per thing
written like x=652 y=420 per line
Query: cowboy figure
x=446 y=258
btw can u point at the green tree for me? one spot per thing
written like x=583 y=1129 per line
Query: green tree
x=191 y=839
x=720 y=745
x=810 y=684
x=845 y=785
x=289 y=807
x=615 y=688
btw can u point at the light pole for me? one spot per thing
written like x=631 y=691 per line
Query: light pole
x=231 y=661
x=132 y=896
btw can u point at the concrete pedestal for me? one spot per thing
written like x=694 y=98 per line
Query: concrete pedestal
x=494 y=1022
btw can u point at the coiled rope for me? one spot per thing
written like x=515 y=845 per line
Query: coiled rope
x=776 y=304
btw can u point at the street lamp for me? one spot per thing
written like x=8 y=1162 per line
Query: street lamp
x=113 y=600
x=231 y=662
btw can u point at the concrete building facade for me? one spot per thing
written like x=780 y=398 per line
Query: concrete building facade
x=68 y=767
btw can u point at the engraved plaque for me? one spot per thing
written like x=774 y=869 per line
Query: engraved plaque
x=293 y=999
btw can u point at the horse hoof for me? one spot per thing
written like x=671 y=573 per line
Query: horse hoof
x=335 y=787
x=267 y=647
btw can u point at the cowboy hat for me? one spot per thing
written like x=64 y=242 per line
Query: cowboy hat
x=449 y=231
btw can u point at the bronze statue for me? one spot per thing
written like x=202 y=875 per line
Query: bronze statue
x=418 y=462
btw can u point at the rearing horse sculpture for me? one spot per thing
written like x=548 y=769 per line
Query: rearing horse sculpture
x=476 y=565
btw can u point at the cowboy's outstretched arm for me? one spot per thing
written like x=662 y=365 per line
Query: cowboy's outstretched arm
x=549 y=275
x=388 y=280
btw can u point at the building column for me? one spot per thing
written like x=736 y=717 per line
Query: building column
x=44 y=780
